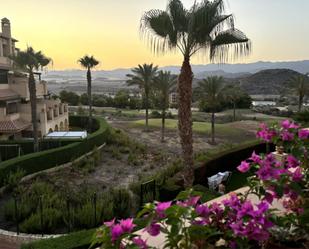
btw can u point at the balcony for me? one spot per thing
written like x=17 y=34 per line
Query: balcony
x=5 y=62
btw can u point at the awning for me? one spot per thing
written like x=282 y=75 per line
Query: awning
x=7 y=94
x=13 y=126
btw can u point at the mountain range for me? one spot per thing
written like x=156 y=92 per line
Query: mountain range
x=200 y=71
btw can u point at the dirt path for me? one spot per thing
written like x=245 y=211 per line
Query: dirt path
x=4 y=244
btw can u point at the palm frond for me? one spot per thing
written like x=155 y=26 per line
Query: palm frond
x=222 y=45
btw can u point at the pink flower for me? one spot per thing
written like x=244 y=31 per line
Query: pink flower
x=127 y=225
x=292 y=161
x=153 y=229
x=297 y=175
x=243 y=167
x=202 y=210
x=287 y=136
x=110 y=223
x=142 y=244
x=285 y=124
x=303 y=134
x=161 y=207
x=116 y=231
x=255 y=158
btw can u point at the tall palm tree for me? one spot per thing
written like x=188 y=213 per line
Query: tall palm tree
x=89 y=62
x=143 y=76
x=211 y=91
x=30 y=61
x=300 y=84
x=203 y=28
x=164 y=84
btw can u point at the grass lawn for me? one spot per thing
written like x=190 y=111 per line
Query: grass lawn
x=200 y=127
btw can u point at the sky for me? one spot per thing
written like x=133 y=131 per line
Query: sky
x=65 y=30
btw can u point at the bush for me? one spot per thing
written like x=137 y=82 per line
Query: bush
x=43 y=160
x=76 y=240
x=14 y=178
x=122 y=203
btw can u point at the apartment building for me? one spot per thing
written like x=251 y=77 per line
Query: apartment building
x=15 y=110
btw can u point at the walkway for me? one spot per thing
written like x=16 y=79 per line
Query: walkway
x=4 y=244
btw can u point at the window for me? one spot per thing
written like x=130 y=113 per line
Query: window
x=3 y=77
x=11 y=108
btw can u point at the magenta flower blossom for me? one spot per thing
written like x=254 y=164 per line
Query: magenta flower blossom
x=292 y=162
x=297 y=175
x=127 y=225
x=142 y=244
x=116 y=231
x=244 y=167
x=303 y=134
x=287 y=124
x=153 y=229
x=161 y=207
x=110 y=223
x=269 y=197
x=255 y=158
x=287 y=136
x=202 y=210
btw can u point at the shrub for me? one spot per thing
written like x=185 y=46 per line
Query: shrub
x=39 y=161
x=14 y=178
x=76 y=240
x=122 y=203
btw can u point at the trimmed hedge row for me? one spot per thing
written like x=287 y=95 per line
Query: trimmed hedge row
x=47 y=159
x=78 y=240
x=227 y=160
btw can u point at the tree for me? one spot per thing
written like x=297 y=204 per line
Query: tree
x=89 y=62
x=69 y=97
x=233 y=94
x=121 y=99
x=300 y=84
x=143 y=76
x=30 y=61
x=211 y=92
x=164 y=84
x=203 y=28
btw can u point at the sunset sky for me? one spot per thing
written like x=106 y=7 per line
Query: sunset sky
x=109 y=29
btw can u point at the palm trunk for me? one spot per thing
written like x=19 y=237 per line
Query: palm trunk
x=32 y=92
x=185 y=120
x=163 y=125
x=212 y=127
x=234 y=111
x=300 y=103
x=89 y=99
x=146 y=107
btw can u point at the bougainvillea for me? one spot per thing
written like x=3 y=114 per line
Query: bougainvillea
x=236 y=221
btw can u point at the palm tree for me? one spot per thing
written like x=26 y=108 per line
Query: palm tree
x=89 y=62
x=143 y=76
x=211 y=91
x=164 y=84
x=30 y=61
x=203 y=28
x=300 y=84
x=233 y=93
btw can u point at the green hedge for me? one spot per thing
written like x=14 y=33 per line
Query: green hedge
x=78 y=240
x=43 y=160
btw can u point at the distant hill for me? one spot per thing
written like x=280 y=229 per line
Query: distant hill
x=271 y=81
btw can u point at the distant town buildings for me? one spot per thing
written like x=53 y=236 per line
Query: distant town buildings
x=15 y=110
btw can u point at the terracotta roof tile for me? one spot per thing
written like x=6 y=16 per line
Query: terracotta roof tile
x=13 y=126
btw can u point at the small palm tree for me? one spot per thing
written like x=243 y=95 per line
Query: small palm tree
x=211 y=91
x=300 y=84
x=202 y=28
x=30 y=61
x=164 y=84
x=89 y=62
x=143 y=76
x=233 y=93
